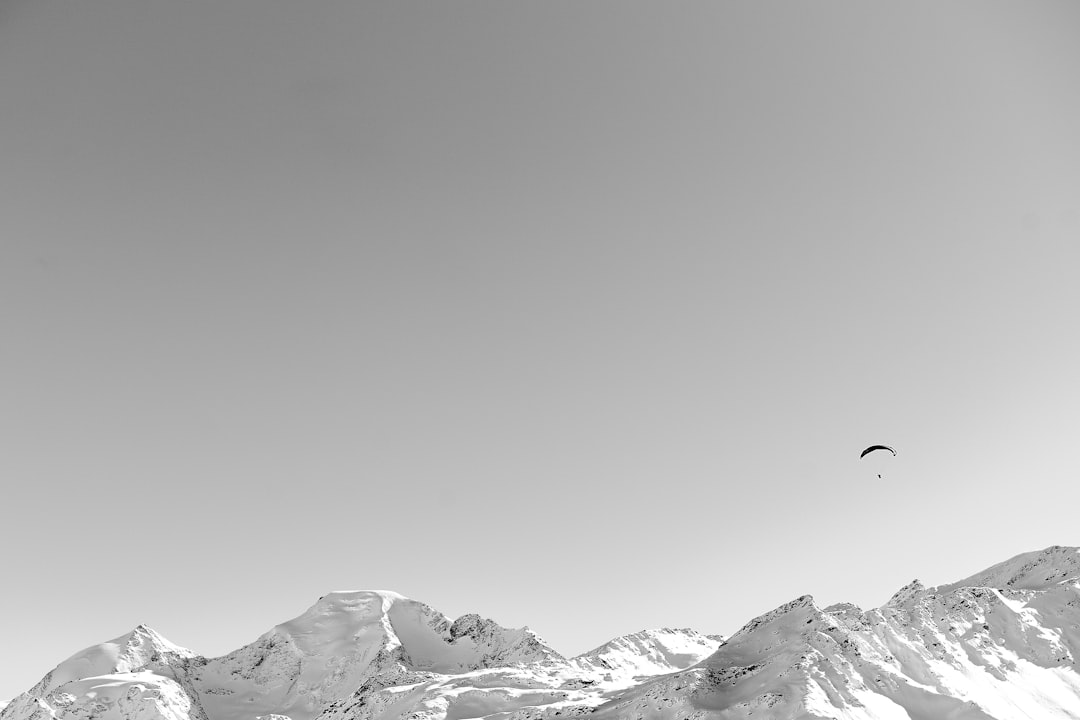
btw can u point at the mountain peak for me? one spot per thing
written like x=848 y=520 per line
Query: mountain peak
x=649 y=652
x=358 y=603
x=802 y=606
x=906 y=594
x=123 y=654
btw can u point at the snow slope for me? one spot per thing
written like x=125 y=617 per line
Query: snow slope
x=1029 y=571
x=963 y=651
x=1002 y=644
x=649 y=652
x=343 y=641
x=128 y=678
x=529 y=691
x=120 y=655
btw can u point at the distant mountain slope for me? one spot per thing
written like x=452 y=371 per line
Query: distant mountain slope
x=649 y=652
x=1002 y=644
x=121 y=655
x=132 y=677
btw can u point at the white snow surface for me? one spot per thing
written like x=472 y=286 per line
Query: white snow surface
x=648 y=653
x=120 y=655
x=1002 y=644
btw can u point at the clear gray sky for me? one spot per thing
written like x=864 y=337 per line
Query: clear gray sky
x=575 y=315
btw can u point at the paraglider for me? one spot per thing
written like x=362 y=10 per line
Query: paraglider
x=872 y=448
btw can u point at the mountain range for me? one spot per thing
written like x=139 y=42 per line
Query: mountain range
x=1002 y=644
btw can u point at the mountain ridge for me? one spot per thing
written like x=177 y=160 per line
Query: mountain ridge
x=1000 y=644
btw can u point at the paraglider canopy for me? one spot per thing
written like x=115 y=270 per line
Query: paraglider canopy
x=872 y=448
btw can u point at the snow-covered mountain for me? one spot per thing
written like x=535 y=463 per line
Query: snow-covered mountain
x=348 y=639
x=1002 y=644
x=649 y=652
x=133 y=676
x=966 y=651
